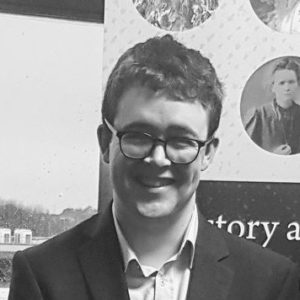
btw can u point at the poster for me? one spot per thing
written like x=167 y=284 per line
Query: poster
x=249 y=190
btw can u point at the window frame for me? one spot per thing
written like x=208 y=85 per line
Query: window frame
x=77 y=10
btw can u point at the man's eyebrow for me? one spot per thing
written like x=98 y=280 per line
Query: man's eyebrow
x=174 y=129
x=138 y=125
x=182 y=131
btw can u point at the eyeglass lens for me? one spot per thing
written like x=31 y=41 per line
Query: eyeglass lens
x=140 y=145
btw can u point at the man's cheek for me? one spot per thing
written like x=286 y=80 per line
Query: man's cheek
x=190 y=175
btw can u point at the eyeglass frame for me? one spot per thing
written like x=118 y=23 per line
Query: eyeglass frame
x=120 y=134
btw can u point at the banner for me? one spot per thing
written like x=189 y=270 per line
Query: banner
x=252 y=187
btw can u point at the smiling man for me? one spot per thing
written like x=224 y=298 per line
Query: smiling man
x=161 y=109
x=275 y=126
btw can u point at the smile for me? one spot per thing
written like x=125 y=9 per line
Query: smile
x=155 y=182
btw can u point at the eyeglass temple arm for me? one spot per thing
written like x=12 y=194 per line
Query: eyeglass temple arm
x=110 y=127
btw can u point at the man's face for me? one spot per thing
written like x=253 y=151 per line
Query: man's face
x=155 y=187
x=284 y=87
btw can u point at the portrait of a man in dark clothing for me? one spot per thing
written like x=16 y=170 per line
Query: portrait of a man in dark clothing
x=275 y=126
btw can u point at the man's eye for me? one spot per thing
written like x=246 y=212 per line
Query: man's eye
x=182 y=143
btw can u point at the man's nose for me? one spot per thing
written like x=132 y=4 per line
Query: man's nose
x=158 y=156
x=287 y=86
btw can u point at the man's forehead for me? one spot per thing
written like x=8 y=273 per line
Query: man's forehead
x=284 y=73
x=142 y=96
x=144 y=92
x=141 y=108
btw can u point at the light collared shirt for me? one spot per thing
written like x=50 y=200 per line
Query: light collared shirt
x=171 y=281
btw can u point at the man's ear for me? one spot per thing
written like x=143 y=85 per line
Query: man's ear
x=104 y=138
x=210 y=151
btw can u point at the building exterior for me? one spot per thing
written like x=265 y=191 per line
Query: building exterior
x=22 y=236
x=5 y=236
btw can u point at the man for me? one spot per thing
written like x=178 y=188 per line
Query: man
x=275 y=126
x=161 y=108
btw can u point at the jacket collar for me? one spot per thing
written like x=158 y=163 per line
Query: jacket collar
x=101 y=261
x=210 y=278
x=103 y=267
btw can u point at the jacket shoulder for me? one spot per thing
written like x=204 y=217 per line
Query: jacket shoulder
x=248 y=255
x=64 y=243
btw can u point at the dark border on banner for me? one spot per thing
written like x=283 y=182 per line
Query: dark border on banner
x=79 y=10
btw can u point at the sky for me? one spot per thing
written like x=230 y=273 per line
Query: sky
x=50 y=100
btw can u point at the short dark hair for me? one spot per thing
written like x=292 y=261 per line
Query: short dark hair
x=287 y=63
x=162 y=63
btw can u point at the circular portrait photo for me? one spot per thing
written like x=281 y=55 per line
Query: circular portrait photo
x=176 y=15
x=270 y=106
x=280 y=15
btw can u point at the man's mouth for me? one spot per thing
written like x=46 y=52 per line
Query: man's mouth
x=155 y=182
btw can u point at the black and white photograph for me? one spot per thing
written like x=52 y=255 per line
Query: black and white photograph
x=176 y=15
x=279 y=15
x=270 y=107
x=133 y=163
x=161 y=108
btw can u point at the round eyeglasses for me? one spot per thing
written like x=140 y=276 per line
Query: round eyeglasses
x=139 y=145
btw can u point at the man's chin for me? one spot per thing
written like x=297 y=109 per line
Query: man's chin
x=287 y=102
x=154 y=209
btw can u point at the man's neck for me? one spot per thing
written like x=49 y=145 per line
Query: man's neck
x=155 y=240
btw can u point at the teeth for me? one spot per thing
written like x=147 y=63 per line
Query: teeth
x=157 y=183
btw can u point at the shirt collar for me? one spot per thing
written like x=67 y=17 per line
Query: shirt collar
x=187 y=245
x=281 y=109
x=127 y=252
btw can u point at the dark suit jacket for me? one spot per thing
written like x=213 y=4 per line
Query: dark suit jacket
x=265 y=127
x=86 y=263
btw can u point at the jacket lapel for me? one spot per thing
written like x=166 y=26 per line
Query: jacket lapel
x=101 y=262
x=210 y=278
